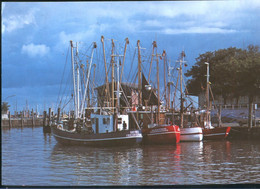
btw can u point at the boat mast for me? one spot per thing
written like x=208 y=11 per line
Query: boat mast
x=107 y=93
x=117 y=87
x=113 y=76
x=158 y=88
x=139 y=74
x=182 y=108
x=94 y=76
x=119 y=80
x=207 y=95
x=165 y=86
x=150 y=69
x=87 y=83
x=73 y=75
x=126 y=43
x=77 y=69
x=169 y=86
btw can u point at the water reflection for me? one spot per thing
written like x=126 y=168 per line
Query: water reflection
x=231 y=162
x=47 y=138
x=102 y=166
x=44 y=162
x=117 y=165
x=159 y=165
x=185 y=163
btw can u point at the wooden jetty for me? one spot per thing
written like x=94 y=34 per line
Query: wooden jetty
x=242 y=133
x=21 y=122
x=26 y=120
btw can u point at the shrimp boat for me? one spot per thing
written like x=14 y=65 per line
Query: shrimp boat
x=191 y=133
x=94 y=126
x=161 y=134
x=95 y=134
x=216 y=133
x=154 y=128
x=209 y=132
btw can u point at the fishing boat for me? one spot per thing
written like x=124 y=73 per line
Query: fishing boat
x=188 y=133
x=210 y=132
x=154 y=128
x=161 y=134
x=216 y=133
x=193 y=134
x=95 y=126
x=97 y=134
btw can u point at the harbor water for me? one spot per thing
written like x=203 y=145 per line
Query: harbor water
x=32 y=158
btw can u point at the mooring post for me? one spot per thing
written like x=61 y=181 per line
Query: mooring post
x=58 y=116
x=33 y=122
x=49 y=123
x=10 y=123
x=219 y=116
x=255 y=108
x=44 y=118
x=86 y=114
x=22 y=114
x=250 y=112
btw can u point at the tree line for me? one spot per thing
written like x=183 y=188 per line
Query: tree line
x=234 y=72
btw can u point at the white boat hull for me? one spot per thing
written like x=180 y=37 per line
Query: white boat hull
x=193 y=134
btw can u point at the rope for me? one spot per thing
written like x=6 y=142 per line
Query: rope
x=58 y=104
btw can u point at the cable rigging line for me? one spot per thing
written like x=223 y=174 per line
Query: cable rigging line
x=57 y=103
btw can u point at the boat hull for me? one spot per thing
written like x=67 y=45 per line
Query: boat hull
x=218 y=133
x=193 y=134
x=119 y=138
x=169 y=134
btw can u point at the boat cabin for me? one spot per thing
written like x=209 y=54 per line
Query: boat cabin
x=104 y=123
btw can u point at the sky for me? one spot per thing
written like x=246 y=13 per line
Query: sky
x=35 y=37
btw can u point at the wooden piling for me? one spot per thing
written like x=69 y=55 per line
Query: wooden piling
x=44 y=118
x=22 y=114
x=250 y=111
x=219 y=116
x=58 y=116
x=10 y=123
x=49 y=122
x=33 y=121
x=86 y=114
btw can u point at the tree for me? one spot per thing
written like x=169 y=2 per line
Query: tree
x=233 y=72
x=250 y=77
x=5 y=107
x=223 y=64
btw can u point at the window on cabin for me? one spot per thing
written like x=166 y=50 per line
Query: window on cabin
x=106 y=121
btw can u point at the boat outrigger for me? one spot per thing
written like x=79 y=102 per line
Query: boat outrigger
x=92 y=126
x=192 y=133
x=210 y=132
x=155 y=130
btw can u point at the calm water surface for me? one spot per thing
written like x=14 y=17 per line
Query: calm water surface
x=31 y=158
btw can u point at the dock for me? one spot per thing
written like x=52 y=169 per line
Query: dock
x=244 y=133
x=21 y=122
